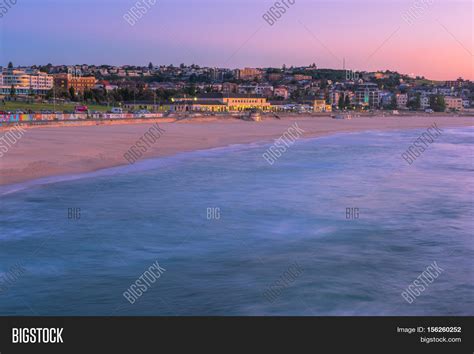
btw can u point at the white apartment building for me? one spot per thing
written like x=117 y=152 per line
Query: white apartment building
x=402 y=100
x=424 y=102
x=25 y=82
x=257 y=89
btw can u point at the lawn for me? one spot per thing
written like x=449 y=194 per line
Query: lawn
x=23 y=106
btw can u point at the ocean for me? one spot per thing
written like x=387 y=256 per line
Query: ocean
x=338 y=225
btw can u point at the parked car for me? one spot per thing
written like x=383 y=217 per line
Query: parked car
x=429 y=110
x=117 y=110
x=81 y=109
x=141 y=113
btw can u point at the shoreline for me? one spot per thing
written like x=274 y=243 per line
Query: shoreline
x=76 y=150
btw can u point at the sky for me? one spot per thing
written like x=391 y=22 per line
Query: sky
x=369 y=34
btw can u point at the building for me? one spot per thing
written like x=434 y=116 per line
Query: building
x=275 y=77
x=385 y=98
x=220 y=102
x=367 y=95
x=445 y=91
x=321 y=106
x=424 y=102
x=335 y=96
x=199 y=106
x=264 y=90
x=109 y=88
x=79 y=83
x=150 y=106
x=459 y=83
x=281 y=91
x=229 y=87
x=248 y=74
x=25 y=82
x=216 y=74
x=454 y=103
x=237 y=102
x=299 y=77
x=380 y=76
x=402 y=100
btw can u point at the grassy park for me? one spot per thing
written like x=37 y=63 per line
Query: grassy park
x=12 y=106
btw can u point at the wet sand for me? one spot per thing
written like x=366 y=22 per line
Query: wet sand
x=49 y=151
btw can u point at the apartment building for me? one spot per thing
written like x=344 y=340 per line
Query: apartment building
x=25 y=82
x=79 y=83
x=248 y=74
x=454 y=103
x=402 y=100
x=281 y=91
x=367 y=95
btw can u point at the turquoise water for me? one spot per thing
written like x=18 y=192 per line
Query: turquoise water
x=270 y=218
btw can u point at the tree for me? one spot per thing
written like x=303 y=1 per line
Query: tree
x=416 y=103
x=49 y=94
x=347 y=102
x=296 y=95
x=13 y=91
x=150 y=66
x=72 y=93
x=46 y=68
x=190 y=90
x=441 y=103
x=437 y=103
x=341 y=102
x=393 y=102
x=10 y=65
x=88 y=95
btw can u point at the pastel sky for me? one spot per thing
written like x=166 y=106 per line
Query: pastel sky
x=369 y=34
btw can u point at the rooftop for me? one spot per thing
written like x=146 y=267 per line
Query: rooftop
x=217 y=95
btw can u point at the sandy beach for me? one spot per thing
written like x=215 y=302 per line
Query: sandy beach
x=48 y=151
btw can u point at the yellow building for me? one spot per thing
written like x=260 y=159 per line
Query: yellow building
x=199 y=106
x=219 y=102
x=244 y=102
x=321 y=106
